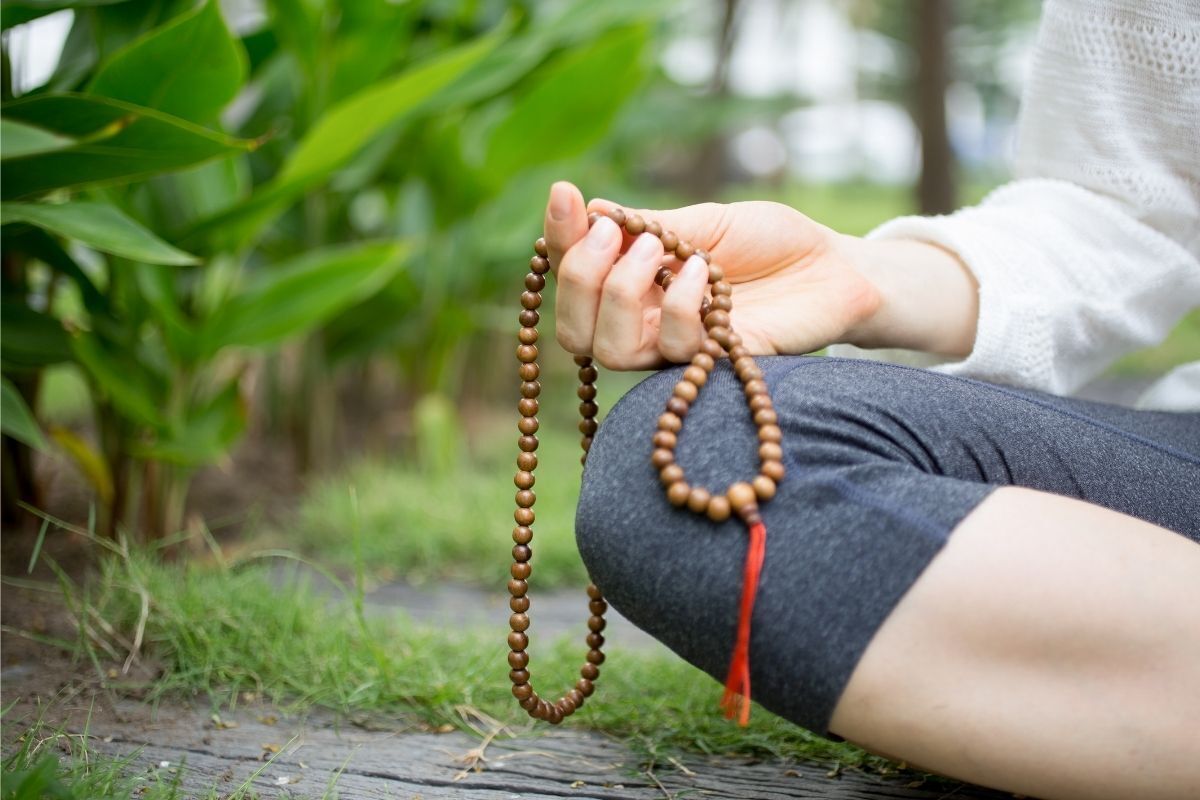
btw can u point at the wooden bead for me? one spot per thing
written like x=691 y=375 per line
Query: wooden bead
x=528 y=406
x=525 y=498
x=698 y=500
x=527 y=352
x=527 y=335
x=722 y=302
x=524 y=516
x=718 y=508
x=760 y=402
x=687 y=391
x=617 y=215
x=588 y=427
x=540 y=247
x=576 y=697
x=594 y=639
x=700 y=251
x=518 y=676
x=595 y=657
x=524 y=480
x=721 y=336
x=531 y=388
x=665 y=439
x=678 y=492
x=715 y=274
x=741 y=494
x=522 y=691
x=531 y=300
x=588 y=374
x=583 y=361
x=722 y=287
x=695 y=376
x=597 y=607
x=589 y=672
x=677 y=406
x=704 y=361
x=528 y=425
x=530 y=703
x=528 y=443
x=588 y=409
x=738 y=353
x=764 y=487
x=519 y=622
x=770 y=451
x=711 y=348
x=669 y=422
x=539 y=265
x=766 y=417
x=518 y=587
x=518 y=659
x=770 y=433
x=634 y=224
x=684 y=251
x=593 y=218
x=654 y=228
x=527 y=461
x=661 y=457
x=535 y=282
x=671 y=474
x=586 y=391
x=735 y=340
x=585 y=687
x=522 y=534
x=596 y=623
x=773 y=470
x=717 y=319
x=755 y=386
x=555 y=715
x=594 y=593
x=518 y=640
x=530 y=371
x=667 y=281
x=519 y=604
x=529 y=318
x=669 y=241
x=520 y=570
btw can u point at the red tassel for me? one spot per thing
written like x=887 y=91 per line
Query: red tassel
x=737 y=684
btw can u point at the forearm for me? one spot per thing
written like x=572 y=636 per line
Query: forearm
x=929 y=300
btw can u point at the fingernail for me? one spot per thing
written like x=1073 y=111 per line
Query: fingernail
x=560 y=204
x=643 y=246
x=601 y=234
x=694 y=265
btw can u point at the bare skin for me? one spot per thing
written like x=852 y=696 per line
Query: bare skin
x=1053 y=647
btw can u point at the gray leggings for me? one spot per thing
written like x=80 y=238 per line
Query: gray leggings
x=882 y=463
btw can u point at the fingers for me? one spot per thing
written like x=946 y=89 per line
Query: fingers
x=702 y=225
x=566 y=220
x=621 y=340
x=582 y=271
x=681 y=331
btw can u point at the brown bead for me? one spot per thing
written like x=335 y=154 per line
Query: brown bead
x=522 y=691
x=540 y=247
x=518 y=604
x=522 y=534
x=540 y=266
x=665 y=439
x=585 y=442
x=524 y=480
x=531 y=388
x=535 y=282
x=672 y=473
x=717 y=319
x=722 y=302
x=594 y=593
x=722 y=287
x=669 y=241
x=770 y=451
x=718 y=508
x=588 y=427
x=524 y=516
x=715 y=274
x=662 y=274
x=589 y=672
x=528 y=425
x=705 y=307
x=520 y=570
x=530 y=703
x=667 y=281
x=519 y=622
x=766 y=417
x=526 y=498
x=586 y=391
x=654 y=228
x=760 y=402
x=661 y=457
x=582 y=361
x=566 y=707
x=555 y=716
x=669 y=422
x=588 y=409
x=531 y=300
x=634 y=224
x=698 y=499
x=770 y=433
x=527 y=406
x=576 y=697
x=527 y=335
x=518 y=676
x=529 y=318
x=738 y=353
x=704 y=361
x=588 y=374
x=596 y=623
x=712 y=349
x=518 y=640
x=593 y=218
x=695 y=376
x=527 y=461
x=684 y=251
x=585 y=686
x=687 y=391
x=677 y=493
x=595 y=657
x=527 y=443
x=764 y=487
x=741 y=494
x=756 y=386
x=773 y=470
x=700 y=251
x=677 y=406
x=518 y=659
x=617 y=215
x=735 y=340
x=595 y=640
x=529 y=372
x=721 y=336
x=527 y=352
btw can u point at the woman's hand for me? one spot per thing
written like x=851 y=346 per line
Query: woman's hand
x=798 y=286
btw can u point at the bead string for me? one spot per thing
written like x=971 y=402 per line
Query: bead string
x=741 y=498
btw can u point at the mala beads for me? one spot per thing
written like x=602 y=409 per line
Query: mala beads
x=740 y=499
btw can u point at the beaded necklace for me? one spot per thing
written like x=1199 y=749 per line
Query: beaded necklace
x=740 y=499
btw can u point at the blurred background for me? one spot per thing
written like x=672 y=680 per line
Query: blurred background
x=261 y=260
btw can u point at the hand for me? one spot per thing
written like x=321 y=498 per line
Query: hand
x=798 y=286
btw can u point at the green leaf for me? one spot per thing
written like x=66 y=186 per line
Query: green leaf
x=294 y=297
x=16 y=420
x=119 y=142
x=25 y=140
x=30 y=339
x=123 y=379
x=570 y=106
x=205 y=436
x=98 y=225
x=19 y=12
x=191 y=67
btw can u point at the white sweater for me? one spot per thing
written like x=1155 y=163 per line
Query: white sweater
x=1094 y=250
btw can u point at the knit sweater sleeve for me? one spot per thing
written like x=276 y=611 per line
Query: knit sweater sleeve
x=1094 y=250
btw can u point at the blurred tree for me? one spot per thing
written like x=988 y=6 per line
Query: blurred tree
x=935 y=186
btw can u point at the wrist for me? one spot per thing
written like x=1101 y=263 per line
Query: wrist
x=929 y=300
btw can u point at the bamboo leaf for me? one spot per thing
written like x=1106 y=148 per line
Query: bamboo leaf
x=98 y=225
x=17 y=139
x=16 y=420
